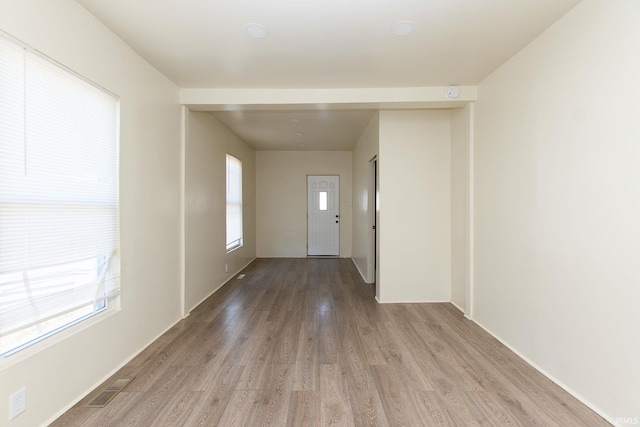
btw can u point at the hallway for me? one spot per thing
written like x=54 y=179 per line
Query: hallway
x=302 y=342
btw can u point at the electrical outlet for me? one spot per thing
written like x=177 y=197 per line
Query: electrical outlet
x=17 y=403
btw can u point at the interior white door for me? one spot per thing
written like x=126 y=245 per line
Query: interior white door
x=323 y=212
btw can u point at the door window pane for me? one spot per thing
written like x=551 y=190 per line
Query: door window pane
x=322 y=202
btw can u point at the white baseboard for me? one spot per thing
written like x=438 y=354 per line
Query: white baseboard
x=364 y=276
x=232 y=276
x=106 y=377
x=548 y=375
x=459 y=308
x=302 y=256
x=414 y=302
x=123 y=364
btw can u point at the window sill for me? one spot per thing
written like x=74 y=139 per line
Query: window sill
x=235 y=248
x=42 y=345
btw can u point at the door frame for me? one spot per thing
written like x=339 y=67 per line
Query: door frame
x=374 y=222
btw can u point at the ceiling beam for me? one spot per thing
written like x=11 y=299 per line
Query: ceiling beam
x=322 y=99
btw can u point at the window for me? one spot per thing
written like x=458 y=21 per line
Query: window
x=322 y=201
x=59 y=239
x=234 y=203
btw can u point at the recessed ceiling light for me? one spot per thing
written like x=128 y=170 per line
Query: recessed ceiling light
x=299 y=134
x=256 y=31
x=294 y=120
x=402 y=28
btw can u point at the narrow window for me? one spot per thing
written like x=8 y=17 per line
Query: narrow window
x=322 y=201
x=59 y=232
x=234 y=203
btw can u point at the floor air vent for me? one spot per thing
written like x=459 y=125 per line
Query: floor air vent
x=110 y=392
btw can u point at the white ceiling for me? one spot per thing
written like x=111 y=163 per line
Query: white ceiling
x=323 y=44
x=297 y=130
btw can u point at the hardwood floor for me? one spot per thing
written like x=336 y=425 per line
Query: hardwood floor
x=302 y=342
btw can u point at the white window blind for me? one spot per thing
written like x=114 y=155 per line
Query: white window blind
x=234 y=203
x=59 y=238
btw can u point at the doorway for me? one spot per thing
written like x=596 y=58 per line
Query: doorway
x=323 y=215
x=373 y=209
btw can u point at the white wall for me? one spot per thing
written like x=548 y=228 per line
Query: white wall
x=415 y=206
x=362 y=235
x=62 y=371
x=460 y=144
x=208 y=142
x=281 y=199
x=557 y=212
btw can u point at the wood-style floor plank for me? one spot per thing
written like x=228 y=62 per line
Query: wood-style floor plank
x=307 y=366
x=366 y=408
x=216 y=397
x=397 y=405
x=239 y=409
x=304 y=409
x=302 y=342
x=335 y=409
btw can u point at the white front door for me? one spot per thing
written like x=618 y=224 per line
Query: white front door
x=323 y=212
